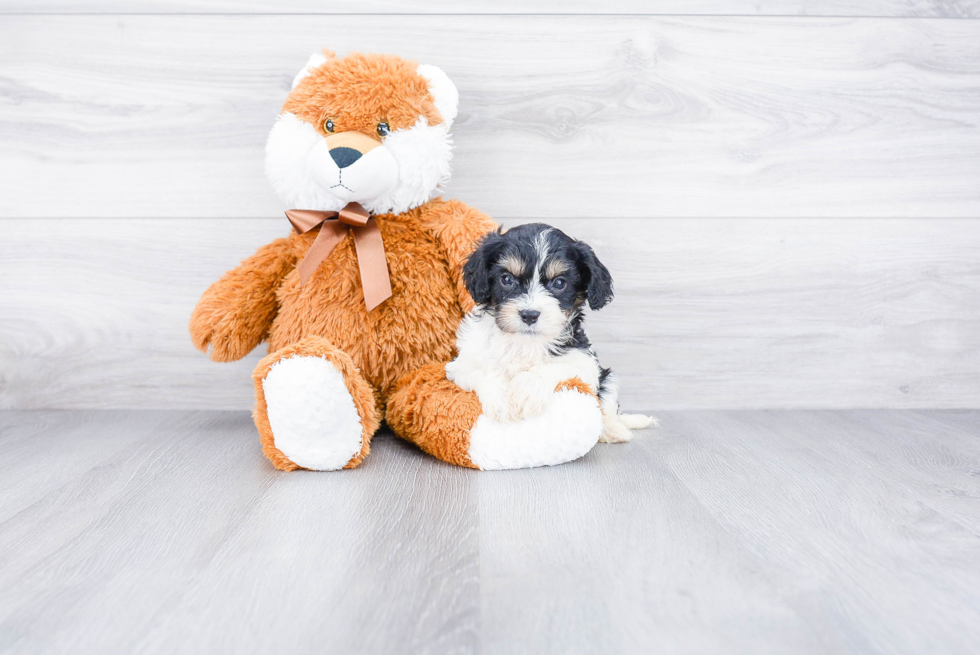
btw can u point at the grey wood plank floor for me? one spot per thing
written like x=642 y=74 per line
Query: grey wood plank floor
x=722 y=532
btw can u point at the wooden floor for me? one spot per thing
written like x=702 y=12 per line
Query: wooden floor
x=722 y=532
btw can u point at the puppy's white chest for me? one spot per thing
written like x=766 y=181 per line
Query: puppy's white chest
x=511 y=358
x=508 y=372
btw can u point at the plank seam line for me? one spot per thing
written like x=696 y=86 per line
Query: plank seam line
x=484 y=15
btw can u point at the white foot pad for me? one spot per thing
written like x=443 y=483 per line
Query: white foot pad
x=568 y=429
x=312 y=414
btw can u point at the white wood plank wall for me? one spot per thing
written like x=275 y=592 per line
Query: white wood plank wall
x=786 y=192
x=883 y=8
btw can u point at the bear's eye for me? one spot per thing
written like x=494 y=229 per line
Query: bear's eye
x=384 y=129
x=507 y=280
x=328 y=125
x=558 y=283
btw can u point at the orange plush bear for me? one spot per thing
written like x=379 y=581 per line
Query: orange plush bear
x=361 y=303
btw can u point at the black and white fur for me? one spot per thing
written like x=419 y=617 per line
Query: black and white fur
x=526 y=334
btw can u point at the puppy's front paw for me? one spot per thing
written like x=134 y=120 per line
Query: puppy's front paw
x=497 y=411
x=527 y=395
x=494 y=403
x=453 y=370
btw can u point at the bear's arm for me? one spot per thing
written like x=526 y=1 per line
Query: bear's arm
x=459 y=228
x=235 y=313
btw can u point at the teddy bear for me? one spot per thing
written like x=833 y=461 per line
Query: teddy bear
x=360 y=303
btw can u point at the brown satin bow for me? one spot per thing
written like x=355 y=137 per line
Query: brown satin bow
x=367 y=240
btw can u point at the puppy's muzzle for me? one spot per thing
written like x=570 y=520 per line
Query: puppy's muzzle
x=530 y=316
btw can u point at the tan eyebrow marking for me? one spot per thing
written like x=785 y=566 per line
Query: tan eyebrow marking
x=514 y=265
x=555 y=268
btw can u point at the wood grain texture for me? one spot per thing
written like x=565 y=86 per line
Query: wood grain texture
x=722 y=532
x=816 y=499
x=166 y=116
x=140 y=547
x=728 y=532
x=883 y=8
x=709 y=313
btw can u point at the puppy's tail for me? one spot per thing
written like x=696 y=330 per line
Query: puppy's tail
x=638 y=421
x=616 y=427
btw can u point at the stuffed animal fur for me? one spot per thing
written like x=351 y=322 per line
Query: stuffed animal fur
x=371 y=129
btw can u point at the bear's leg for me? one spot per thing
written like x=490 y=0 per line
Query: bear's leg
x=448 y=422
x=313 y=408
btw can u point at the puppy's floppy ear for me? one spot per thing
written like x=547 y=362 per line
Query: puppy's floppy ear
x=476 y=271
x=599 y=289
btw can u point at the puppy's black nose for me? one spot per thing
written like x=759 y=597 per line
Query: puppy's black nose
x=530 y=316
x=344 y=156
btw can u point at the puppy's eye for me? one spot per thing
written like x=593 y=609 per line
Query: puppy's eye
x=507 y=280
x=558 y=283
x=384 y=129
x=328 y=125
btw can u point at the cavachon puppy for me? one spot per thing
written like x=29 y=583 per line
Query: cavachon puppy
x=526 y=334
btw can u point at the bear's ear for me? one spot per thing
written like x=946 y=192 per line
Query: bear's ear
x=316 y=60
x=443 y=91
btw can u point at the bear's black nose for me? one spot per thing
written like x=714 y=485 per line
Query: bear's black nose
x=344 y=156
x=530 y=316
